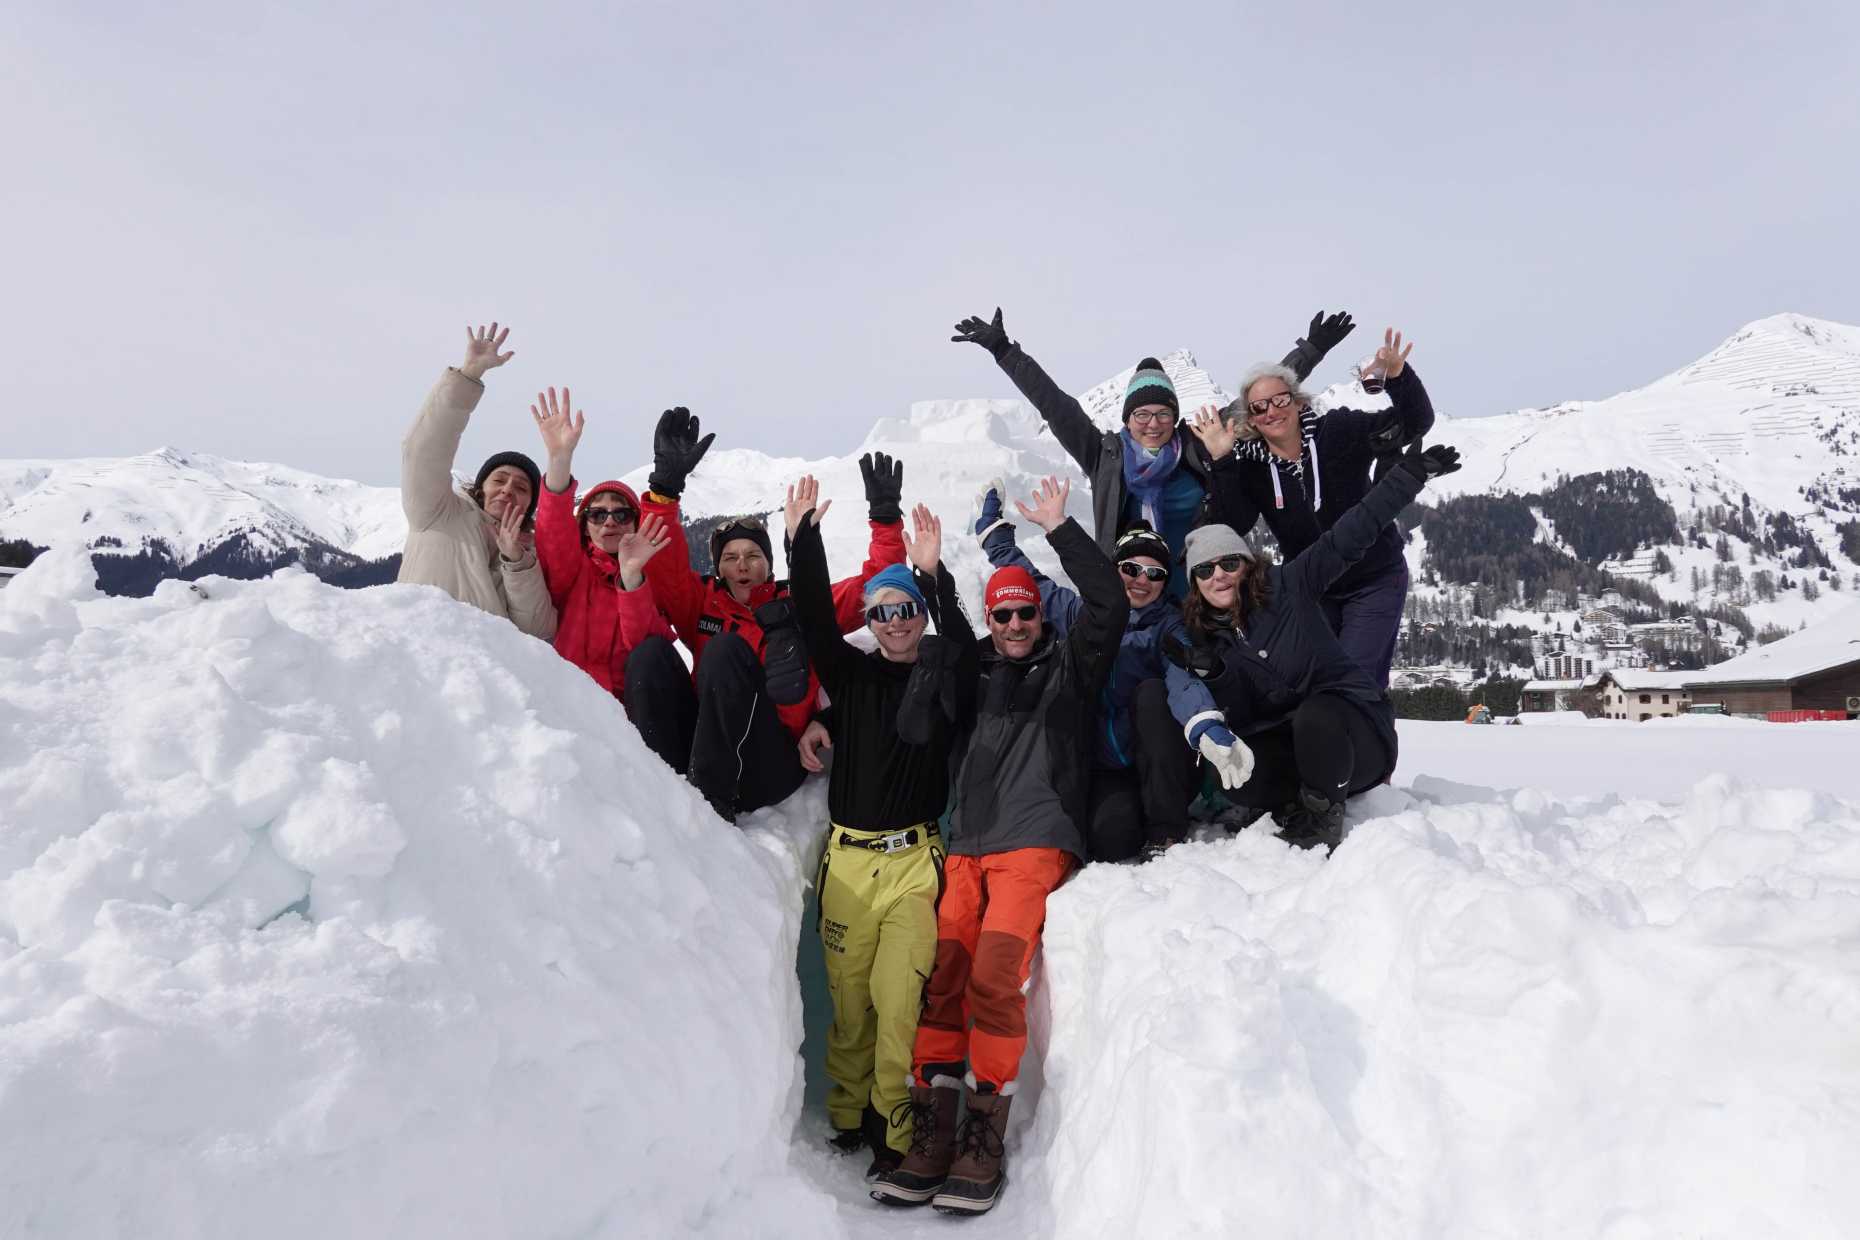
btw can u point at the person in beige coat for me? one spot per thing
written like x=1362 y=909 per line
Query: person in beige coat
x=477 y=545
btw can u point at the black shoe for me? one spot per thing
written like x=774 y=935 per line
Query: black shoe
x=885 y=1160
x=1301 y=826
x=846 y=1141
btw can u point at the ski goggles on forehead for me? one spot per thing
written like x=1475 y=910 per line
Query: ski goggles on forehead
x=1227 y=564
x=724 y=531
x=881 y=613
x=1149 y=572
x=1004 y=614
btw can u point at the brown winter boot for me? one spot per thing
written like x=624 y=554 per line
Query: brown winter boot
x=933 y=1145
x=980 y=1170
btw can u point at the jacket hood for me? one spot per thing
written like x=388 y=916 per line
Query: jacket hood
x=612 y=486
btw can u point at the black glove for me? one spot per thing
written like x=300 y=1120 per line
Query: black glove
x=784 y=654
x=991 y=336
x=884 y=487
x=1437 y=460
x=676 y=451
x=1327 y=331
x=1197 y=660
x=931 y=690
x=1385 y=434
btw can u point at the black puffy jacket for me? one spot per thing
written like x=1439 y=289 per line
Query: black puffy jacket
x=1284 y=651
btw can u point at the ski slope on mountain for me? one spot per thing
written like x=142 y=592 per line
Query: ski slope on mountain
x=358 y=913
x=1761 y=414
x=191 y=502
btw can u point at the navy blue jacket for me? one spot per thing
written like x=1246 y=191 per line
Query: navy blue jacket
x=1284 y=651
x=1338 y=442
x=1139 y=654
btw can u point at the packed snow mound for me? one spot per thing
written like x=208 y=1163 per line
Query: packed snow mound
x=362 y=914
x=1487 y=1015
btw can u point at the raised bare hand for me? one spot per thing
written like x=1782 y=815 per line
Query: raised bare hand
x=1391 y=356
x=510 y=540
x=1215 y=432
x=481 y=350
x=1048 y=506
x=637 y=546
x=925 y=545
x=804 y=496
x=560 y=431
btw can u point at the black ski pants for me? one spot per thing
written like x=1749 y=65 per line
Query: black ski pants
x=1329 y=745
x=1147 y=801
x=720 y=730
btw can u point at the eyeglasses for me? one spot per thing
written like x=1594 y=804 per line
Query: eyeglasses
x=1146 y=416
x=601 y=516
x=879 y=613
x=1149 y=572
x=1004 y=614
x=1270 y=402
x=1227 y=564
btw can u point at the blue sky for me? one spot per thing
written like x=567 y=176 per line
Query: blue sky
x=259 y=231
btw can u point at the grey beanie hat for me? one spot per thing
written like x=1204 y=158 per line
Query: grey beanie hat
x=1211 y=542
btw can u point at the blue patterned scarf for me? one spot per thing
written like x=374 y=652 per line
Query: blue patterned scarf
x=1147 y=473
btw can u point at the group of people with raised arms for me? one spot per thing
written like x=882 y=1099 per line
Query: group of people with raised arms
x=970 y=775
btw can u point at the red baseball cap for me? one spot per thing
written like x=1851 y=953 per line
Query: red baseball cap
x=1010 y=587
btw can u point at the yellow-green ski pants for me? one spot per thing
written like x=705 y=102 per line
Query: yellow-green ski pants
x=878 y=929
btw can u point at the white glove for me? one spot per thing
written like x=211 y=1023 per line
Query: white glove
x=1233 y=763
x=999 y=488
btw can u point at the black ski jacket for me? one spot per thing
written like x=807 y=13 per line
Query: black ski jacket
x=878 y=782
x=1338 y=451
x=1025 y=772
x=1284 y=651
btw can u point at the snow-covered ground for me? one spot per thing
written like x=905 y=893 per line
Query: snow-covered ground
x=360 y=914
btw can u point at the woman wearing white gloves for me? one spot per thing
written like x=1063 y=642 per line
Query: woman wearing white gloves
x=1263 y=665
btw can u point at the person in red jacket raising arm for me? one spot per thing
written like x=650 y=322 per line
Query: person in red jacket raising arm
x=593 y=556
x=733 y=732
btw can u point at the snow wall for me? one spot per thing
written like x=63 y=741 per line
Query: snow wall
x=358 y=913
x=331 y=913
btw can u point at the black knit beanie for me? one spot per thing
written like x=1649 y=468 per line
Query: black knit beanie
x=752 y=528
x=1140 y=539
x=523 y=463
x=1149 y=386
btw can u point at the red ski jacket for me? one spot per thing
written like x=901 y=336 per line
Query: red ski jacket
x=599 y=623
x=699 y=607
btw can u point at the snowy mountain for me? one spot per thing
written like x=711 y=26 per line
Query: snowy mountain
x=192 y=501
x=1758 y=441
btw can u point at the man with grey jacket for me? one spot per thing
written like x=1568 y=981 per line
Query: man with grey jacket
x=478 y=545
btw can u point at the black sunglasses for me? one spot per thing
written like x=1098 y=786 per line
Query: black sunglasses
x=601 y=516
x=879 y=613
x=1004 y=614
x=1271 y=402
x=1151 y=572
x=1227 y=564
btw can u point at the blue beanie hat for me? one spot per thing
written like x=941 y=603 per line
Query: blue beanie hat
x=1149 y=386
x=896 y=577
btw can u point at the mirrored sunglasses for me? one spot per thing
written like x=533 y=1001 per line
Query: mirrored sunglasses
x=1149 y=572
x=880 y=613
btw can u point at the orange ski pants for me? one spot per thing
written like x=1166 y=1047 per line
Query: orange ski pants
x=987 y=926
